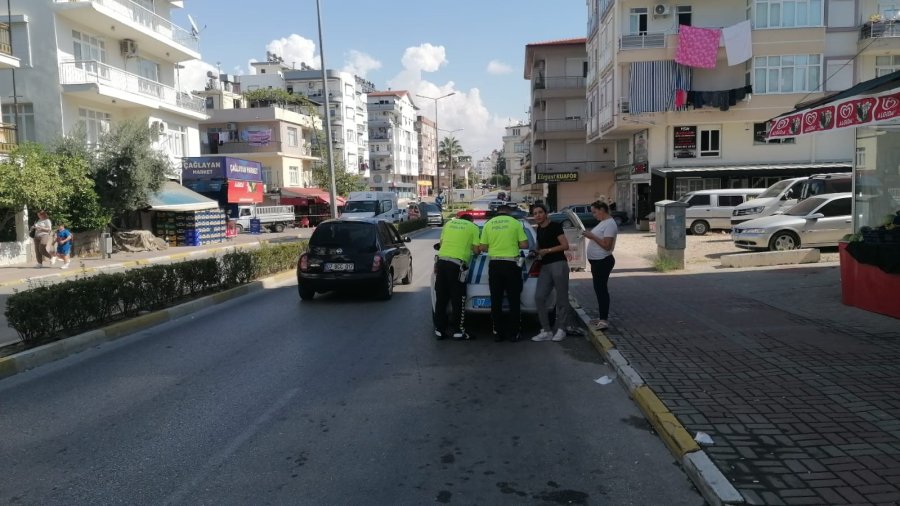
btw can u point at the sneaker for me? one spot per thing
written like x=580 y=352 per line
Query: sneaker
x=65 y=265
x=39 y=266
x=560 y=335
x=439 y=335
x=543 y=336
x=461 y=336
x=601 y=325
x=52 y=260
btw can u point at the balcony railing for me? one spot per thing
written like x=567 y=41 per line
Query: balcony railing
x=558 y=83
x=240 y=147
x=7 y=138
x=558 y=125
x=5 y=44
x=642 y=41
x=588 y=166
x=92 y=71
x=881 y=29
x=133 y=12
x=381 y=107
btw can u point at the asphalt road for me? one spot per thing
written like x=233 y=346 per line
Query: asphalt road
x=342 y=400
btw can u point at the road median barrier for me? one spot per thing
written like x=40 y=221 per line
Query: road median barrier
x=770 y=258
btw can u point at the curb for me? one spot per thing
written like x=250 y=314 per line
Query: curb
x=702 y=471
x=51 y=352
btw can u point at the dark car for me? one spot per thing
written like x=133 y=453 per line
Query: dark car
x=350 y=253
x=432 y=213
x=583 y=211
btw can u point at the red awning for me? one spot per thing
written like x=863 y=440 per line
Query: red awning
x=314 y=194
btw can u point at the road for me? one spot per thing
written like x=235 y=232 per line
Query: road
x=342 y=400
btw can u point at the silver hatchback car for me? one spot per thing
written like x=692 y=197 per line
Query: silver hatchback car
x=817 y=221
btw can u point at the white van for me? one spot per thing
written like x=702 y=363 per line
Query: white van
x=381 y=205
x=788 y=192
x=709 y=209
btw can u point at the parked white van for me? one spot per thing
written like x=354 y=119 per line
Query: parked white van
x=709 y=209
x=380 y=205
x=788 y=192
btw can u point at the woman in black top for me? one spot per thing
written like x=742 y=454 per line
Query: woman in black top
x=552 y=245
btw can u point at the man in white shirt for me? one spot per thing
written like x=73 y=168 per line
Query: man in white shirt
x=42 y=229
x=601 y=243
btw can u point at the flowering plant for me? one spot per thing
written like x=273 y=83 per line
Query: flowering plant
x=876 y=18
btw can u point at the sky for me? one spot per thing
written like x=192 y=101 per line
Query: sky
x=473 y=48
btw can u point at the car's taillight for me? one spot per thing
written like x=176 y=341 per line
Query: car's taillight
x=303 y=263
x=376 y=263
x=535 y=269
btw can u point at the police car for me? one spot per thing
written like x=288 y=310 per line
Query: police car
x=478 y=293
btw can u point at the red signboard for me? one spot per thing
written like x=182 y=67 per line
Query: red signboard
x=855 y=112
x=787 y=126
x=818 y=120
x=245 y=192
x=888 y=107
x=846 y=113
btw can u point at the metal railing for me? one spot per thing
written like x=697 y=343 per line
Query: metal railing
x=5 y=41
x=881 y=29
x=558 y=125
x=131 y=11
x=558 y=83
x=382 y=107
x=7 y=138
x=588 y=166
x=240 y=147
x=624 y=105
x=92 y=71
x=642 y=41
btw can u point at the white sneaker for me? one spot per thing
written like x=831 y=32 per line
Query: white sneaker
x=65 y=265
x=559 y=336
x=52 y=260
x=543 y=336
x=39 y=266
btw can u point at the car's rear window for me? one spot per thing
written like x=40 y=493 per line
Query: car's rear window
x=348 y=236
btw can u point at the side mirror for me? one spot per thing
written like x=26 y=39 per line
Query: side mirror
x=437 y=246
x=407 y=238
x=815 y=216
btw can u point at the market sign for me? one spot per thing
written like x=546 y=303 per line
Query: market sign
x=245 y=192
x=220 y=167
x=556 y=177
x=846 y=113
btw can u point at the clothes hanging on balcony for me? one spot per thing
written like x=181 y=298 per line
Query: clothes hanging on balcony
x=652 y=85
x=698 y=47
x=680 y=98
x=721 y=99
x=738 y=42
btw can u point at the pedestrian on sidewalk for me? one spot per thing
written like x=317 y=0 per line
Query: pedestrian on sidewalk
x=459 y=241
x=42 y=230
x=599 y=252
x=64 y=240
x=502 y=238
x=552 y=245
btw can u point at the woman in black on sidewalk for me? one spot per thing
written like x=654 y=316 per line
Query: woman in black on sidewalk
x=601 y=243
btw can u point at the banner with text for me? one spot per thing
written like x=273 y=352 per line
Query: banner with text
x=850 y=112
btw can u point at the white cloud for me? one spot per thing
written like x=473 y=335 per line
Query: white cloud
x=193 y=76
x=360 y=63
x=295 y=49
x=425 y=57
x=497 y=67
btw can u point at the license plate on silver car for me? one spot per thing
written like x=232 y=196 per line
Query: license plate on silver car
x=338 y=267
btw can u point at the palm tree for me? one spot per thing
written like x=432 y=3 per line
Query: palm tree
x=449 y=150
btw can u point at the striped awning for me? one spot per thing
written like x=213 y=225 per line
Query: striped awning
x=829 y=166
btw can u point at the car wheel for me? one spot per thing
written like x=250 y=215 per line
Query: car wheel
x=409 y=274
x=784 y=241
x=699 y=227
x=278 y=227
x=387 y=286
x=239 y=228
x=567 y=224
x=306 y=292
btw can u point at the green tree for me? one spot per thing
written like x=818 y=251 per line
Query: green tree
x=265 y=97
x=30 y=177
x=82 y=209
x=501 y=180
x=345 y=182
x=449 y=150
x=500 y=167
x=127 y=168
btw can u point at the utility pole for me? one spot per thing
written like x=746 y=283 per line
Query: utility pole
x=333 y=189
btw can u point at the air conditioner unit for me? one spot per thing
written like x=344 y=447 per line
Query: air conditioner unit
x=129 y=48
x=158 y=127
x=231 y=126
x=662 y=10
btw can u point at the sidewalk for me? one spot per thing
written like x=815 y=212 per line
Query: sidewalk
x=19 y=277
x=800 y=394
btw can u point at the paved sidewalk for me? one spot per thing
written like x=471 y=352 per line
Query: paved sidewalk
x=800 y=393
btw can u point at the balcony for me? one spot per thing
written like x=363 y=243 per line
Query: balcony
x=549 y=87
x=886 y=35
x=558 y=128
x=232 y=148
x=91 y=79
x=7 y=60
x=382 y=107
x=642 y=41
x=124 y=19
x=318 y=96
x=588 y=166
x=7 y=138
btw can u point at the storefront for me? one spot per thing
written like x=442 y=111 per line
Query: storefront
x=311 y=205
x=224 y=179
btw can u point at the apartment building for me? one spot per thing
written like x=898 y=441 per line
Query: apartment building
x=7 y=61
x=517 y=159
x=393 y=143
x=574 y=171
x=95 y=62
x=426 y=133
x=679 y=128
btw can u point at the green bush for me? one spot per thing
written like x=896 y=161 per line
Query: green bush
x=47 y=313
x=408 y=226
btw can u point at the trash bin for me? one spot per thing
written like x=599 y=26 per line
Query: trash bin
x=106 y=245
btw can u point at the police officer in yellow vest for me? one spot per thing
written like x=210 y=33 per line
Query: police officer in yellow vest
x=502 y=237
x=459 y=240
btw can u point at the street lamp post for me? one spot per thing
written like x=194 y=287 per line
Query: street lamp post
x=333 y=189
x=437 y=168
x=449 y=160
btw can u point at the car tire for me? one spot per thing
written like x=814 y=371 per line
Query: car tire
x=784 y=241
x=407 y=280
x=239 y=228
x=306 y=292
x=278 y=227
x=699 y=227
x=386 y=291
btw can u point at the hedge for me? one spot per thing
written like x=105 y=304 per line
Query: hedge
x=51 y=312
x=408 y=226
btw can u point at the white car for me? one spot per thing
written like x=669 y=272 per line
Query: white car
x=478 y=294
x=817 y=221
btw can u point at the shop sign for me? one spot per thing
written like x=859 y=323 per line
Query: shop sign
x=842 y=114
x=556 y=177
x=855 y=112
x=685 y=142
x=220 y=167
x=639 y=168
x=245 y=192
x=818 y=120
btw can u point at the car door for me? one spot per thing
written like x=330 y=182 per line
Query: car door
x=394 y=249
x=835 y=224
x=720 y=215
x=699 y=208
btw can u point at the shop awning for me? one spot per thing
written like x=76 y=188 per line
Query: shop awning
x=174 y=197
x=829 y=167
x=309 y=194
x=868 y=103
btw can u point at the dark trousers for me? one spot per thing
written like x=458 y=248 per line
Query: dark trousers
x=448 y=288
x=600 y=270
x=505 y=278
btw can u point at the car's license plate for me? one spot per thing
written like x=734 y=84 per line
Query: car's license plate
x=481 y=302
x=341 y=267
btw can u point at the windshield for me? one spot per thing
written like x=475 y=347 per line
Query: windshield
x=805 y=207
x=360 y=206
x=776 y=189
x=358 y=237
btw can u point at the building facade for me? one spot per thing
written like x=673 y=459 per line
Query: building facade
x=426 y=133
x=517 y=159
x=711 y=133
x=393 y=143
x=7 y=61
x=90 y=63
x=574 y=171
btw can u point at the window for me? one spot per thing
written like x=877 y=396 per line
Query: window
x=710 y=141
x=293 y=176
x=210 y=103
x=149 y=71
x=95 y=124
x=699 y=200
x=267 y=176
x=292 y=136
x=178 y=140
x=860 y=155
x=837 y=207
x=787 y=73
x=685 y=185
x=89 y=53
x=683 y=14
x=26 y=120
x=760 y=130
x=637 y=21
x=730 y=200
x=886 y=64
x=788 y=13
